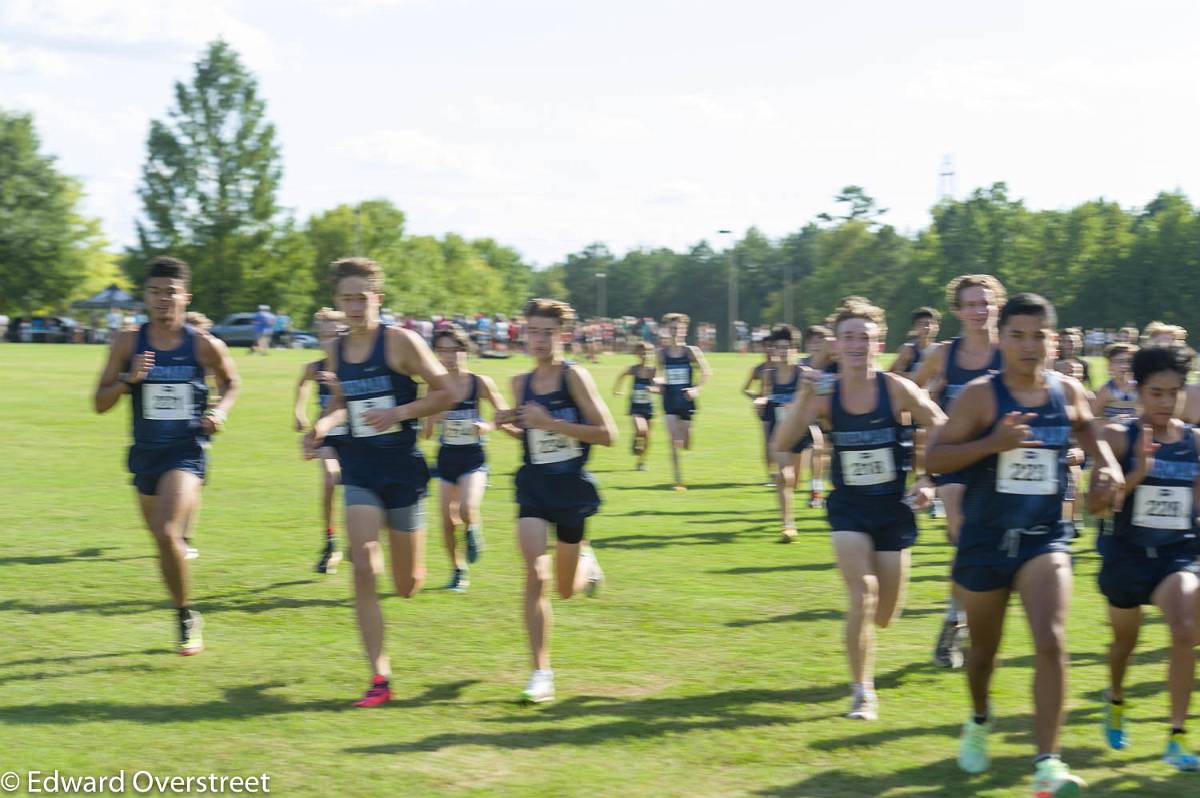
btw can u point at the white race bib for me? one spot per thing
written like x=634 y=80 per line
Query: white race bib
x=459 y=432
x=547 y=447
x=781 y=414
x=1158 y=507
x=641 y=396
x=678 y=375
x=170 y=401
x=358 y=407
x=341 y=429
x=868 y=467
x=1027 y=472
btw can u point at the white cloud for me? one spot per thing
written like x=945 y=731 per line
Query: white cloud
x=414 y=152
x=130 y=23
x=23 y=59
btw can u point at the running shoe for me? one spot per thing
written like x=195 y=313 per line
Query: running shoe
x=816 y=502
x=378 y=694
x=540 y=688
x=459 y=581
x=330 y=557
x=191 y=633
x=190 y=551
x=788 y=535
x=595 y=573
x=1114 y=724
x=640 y=467
x=1053 y=779
x=864 y=705
x=972 y=746
x=948 y=652
x=1180 y=755
x=681 y=487
x=475 y=544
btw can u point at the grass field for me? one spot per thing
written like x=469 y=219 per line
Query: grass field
x=710 y=666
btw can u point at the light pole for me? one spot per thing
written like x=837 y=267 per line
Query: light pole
x=787 y=291
x=601 y=294
x=733 y=303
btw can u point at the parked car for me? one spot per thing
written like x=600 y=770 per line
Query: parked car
x=237 y=329
x=52 y=330
x=303 y=340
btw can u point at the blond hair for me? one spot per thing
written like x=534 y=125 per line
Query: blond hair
x=550 y=309
x=964 y=281
x=671 y=318
x=357 y=267
x=859 y=308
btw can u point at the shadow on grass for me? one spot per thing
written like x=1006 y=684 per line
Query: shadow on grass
x=41 y=675
x=79 y=657
x=640 y=719
x=238 y=703
x=821 y=615
x=214 y=604
x=59 y=559
x=771 y=569
x=690 y=486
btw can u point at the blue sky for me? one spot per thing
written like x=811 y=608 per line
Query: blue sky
x=550 y=125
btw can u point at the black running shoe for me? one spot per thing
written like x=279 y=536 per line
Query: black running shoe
x=330 y=557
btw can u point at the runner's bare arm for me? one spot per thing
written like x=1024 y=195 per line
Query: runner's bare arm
x=109 y=389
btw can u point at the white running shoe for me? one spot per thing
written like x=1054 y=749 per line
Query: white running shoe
x=540 y=688
x=595 y=573
x=191 y=552
x=864 y=705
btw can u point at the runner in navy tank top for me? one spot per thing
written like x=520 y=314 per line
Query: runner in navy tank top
x=679 y=388
x=1153 y=554
x=462 y=461
x=870 y=510
x=162 y=365
x=561 y=416
x=641 y=404
x=923 y=330
x=944 y=371
x=780 y=384
x=329 y=324
x=384 y=475
x=1009 y=433
x=820 y=348
x=754 y=390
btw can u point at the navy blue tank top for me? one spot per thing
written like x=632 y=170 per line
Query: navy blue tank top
x=168 y=404
x=324 y=396
x=1121 y=404
x=1022 y=489
x=678 y=370
x=458 y=423
x=956 y=377
x=552 y=452
x=639 y=399
x=1160 y=512
x=917 y=355
x=868 y=459
x=781 y=394
x=373 y=385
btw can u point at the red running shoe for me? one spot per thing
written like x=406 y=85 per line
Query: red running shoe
x=378 y=694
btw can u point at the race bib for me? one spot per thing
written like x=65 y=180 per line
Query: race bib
x=460 y=432
x=781 y=412
x=678 y=375
x=547 y=447
x=341 y=429
x=1027 y=472
x=358 y=407
x=641 y=396
x=868 y=467
x=1157 y=507
x=171 y=401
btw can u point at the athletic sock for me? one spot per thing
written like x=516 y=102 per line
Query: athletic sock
x=817 y=485
x=954 y=612
x=1040 y=758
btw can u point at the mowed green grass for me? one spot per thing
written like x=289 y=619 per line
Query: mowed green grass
x=710 y=665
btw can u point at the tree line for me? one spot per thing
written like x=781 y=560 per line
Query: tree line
x=208 y=194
